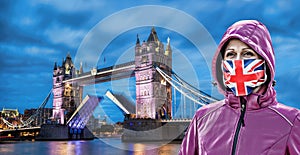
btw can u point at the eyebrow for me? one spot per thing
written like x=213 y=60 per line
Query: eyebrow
x=227 y=49
x=248 y=48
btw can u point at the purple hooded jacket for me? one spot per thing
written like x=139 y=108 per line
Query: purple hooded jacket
x=262 y=127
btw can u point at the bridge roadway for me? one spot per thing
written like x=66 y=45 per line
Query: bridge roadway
x=111 y=73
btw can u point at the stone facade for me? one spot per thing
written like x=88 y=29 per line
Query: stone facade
x=66 y=96
x=153 y=93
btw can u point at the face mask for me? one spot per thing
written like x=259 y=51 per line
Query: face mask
x=242 y=76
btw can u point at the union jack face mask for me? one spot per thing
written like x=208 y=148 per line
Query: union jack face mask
x=242 y=76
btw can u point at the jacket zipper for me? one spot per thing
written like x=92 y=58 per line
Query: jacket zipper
x=240 y=123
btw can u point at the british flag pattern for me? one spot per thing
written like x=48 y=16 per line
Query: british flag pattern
x=241 y=76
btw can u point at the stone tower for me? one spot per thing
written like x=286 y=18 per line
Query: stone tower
x=66 y=96
x=153 y=93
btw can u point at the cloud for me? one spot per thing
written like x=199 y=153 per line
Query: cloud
x=288 y=85
x=71 y=6
x=34 y=50
x=65 y=35
x=48 y=16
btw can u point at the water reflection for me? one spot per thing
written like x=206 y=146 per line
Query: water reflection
x=169 y=149
x=67 y=147
x=115 y=147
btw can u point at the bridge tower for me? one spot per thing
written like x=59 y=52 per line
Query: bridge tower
x=66 y=96
x=153 y=93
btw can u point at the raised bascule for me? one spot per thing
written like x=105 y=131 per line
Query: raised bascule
x=152 y=114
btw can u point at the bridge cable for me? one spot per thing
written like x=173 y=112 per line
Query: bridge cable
x=168 y=79
x=200 y=95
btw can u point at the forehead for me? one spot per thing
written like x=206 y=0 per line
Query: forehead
x=236 y=43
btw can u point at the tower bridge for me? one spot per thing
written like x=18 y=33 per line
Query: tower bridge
x=155 y=79
x=152 y=69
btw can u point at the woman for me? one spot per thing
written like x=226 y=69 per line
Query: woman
x=249 y=120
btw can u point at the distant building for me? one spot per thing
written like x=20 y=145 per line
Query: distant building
x=10 y=113
x=43 y=116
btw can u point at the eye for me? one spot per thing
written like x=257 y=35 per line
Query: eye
x=249 y=54
x=230 y=54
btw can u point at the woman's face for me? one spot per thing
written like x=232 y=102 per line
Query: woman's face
x=237 y=50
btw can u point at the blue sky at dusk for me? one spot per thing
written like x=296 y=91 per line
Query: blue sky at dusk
x=37 y=33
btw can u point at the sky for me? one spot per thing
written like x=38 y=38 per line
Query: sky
x=37 y=33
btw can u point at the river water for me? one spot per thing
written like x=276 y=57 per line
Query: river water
x=103 y=146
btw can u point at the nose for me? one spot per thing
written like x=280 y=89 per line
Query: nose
x=238 y=56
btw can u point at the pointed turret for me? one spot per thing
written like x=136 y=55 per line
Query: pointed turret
x=168 y=49
x=81 y=68
x=137 y=45
x=168 y=45
x=55 y=69
x=63 y=61
x=68 y=66
x=68 y=55
x=153 y=36
x=55 y=66
x=137 y=39
x=68 y=60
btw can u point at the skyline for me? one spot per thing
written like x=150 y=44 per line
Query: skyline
x=36 y=34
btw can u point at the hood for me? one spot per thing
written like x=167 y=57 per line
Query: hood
x=255 y=35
